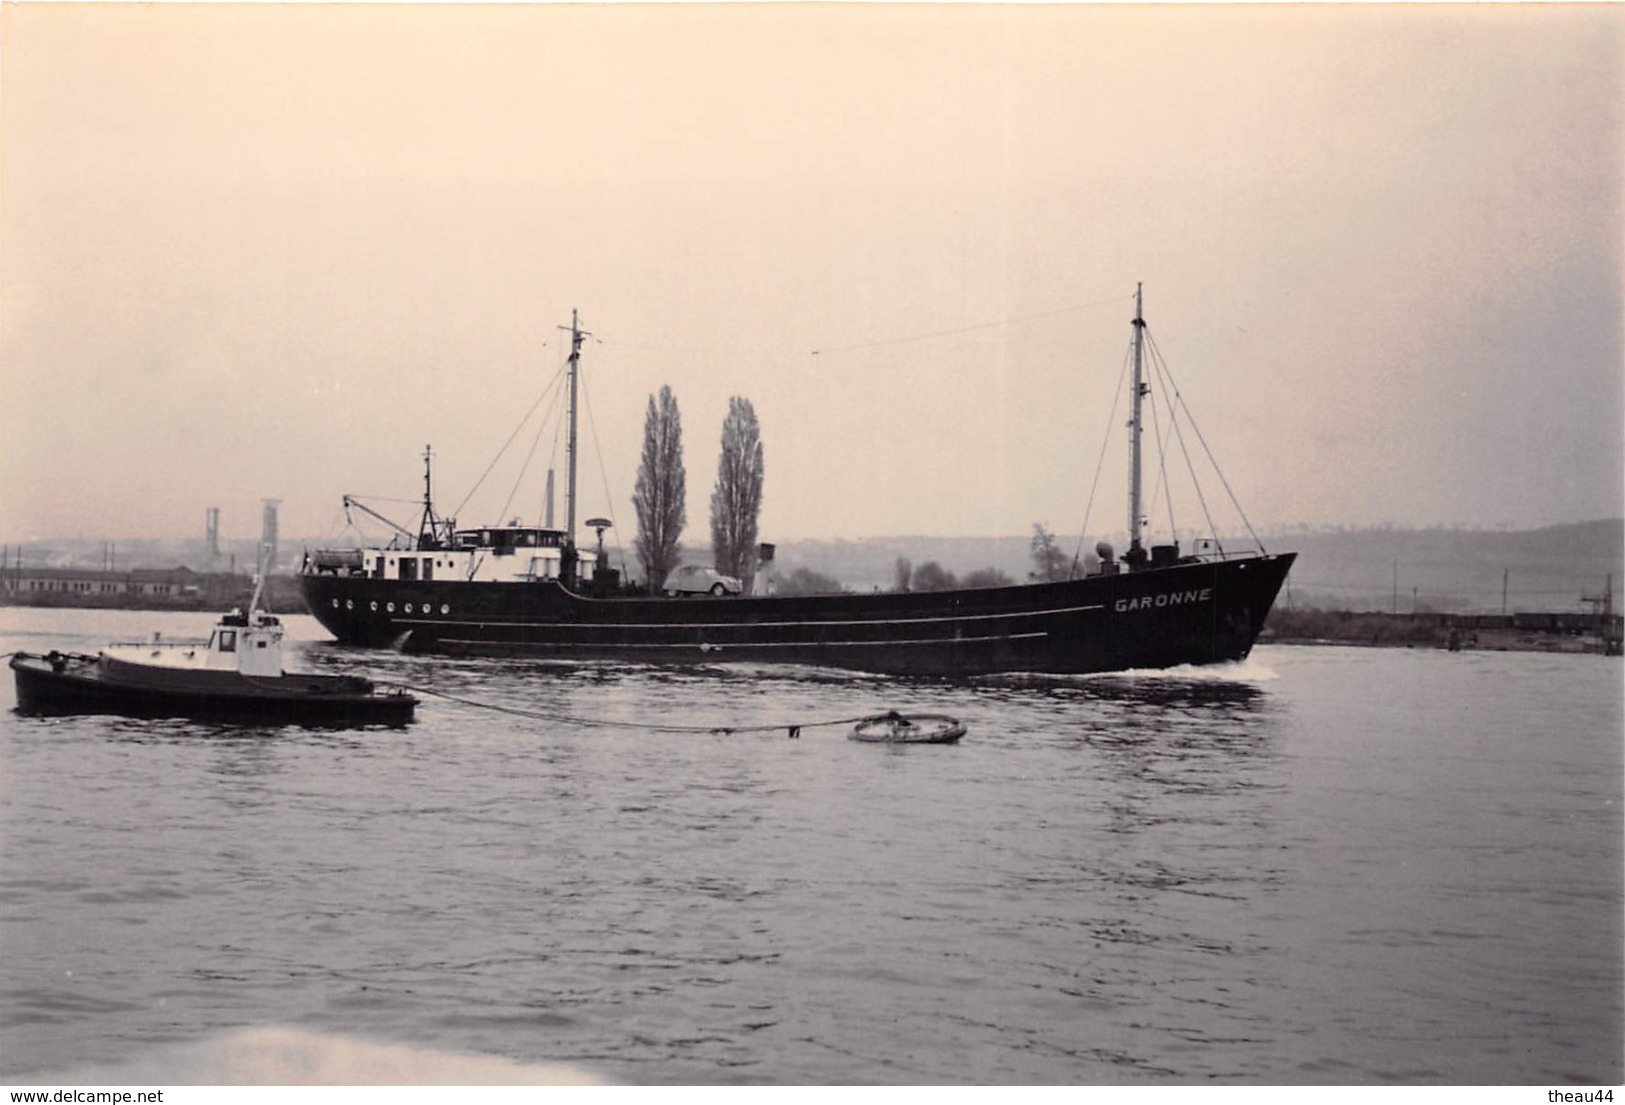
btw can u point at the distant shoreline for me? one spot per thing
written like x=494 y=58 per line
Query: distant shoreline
x=1567 y=632
x=1555 y=645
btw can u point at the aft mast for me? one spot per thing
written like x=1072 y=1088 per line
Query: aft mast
x=1136 y=555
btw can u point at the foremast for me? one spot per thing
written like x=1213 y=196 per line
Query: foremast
x=1136 y=515
x=429 y=526
x=570 y=560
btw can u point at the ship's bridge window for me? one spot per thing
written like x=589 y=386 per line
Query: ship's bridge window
x=228 y=640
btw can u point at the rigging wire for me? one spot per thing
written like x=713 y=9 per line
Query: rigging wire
x=1164 y=374
x=1160 y=367
x=363 y=532
x=1162 y=488
x=552 y=466
x=971 y=328
x=792 y=728
x=545 y=392
x=603 y=476
x=388 y=499
x=1191 y=418
x=763 y=350
x=334 y=530
x=1105 y=440
x=541 y=428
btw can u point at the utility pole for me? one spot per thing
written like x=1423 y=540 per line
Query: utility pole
x=1602 y=605
x=1504 y=572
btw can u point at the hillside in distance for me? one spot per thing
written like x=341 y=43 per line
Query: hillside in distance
x=1346 y=569
x=1381 y=568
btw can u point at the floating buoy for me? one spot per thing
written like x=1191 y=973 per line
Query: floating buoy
x=895 y=728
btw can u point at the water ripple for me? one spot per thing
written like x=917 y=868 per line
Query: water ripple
x=1302 y=869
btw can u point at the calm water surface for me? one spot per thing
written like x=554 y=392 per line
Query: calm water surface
x=1324 y=866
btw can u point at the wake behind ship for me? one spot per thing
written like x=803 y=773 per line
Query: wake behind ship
x=531 y=592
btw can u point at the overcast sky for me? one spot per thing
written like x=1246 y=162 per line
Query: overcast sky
x=273 y=251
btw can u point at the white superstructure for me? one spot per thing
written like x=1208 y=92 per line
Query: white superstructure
x=492 y=554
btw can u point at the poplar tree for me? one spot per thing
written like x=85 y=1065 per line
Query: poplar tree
x=902 y=574
x=1049 y=562
x=736 y=501
x=660 y=494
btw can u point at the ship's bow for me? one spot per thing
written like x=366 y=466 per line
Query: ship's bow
x=1248 y=589
x=340 y=603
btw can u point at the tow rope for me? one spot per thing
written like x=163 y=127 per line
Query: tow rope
x=791 y=729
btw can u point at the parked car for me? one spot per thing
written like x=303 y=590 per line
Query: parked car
x=692 y=579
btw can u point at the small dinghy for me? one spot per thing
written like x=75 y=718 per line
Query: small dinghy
x=894 y=728
x=236 y=676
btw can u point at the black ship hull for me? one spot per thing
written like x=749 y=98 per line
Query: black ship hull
x=58 y=684
x=1189 y=613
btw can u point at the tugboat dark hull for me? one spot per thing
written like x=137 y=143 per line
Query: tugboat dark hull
x=1188 y=613
x=57 y=684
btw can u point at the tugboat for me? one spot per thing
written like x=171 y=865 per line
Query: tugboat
x=236 y=676
x=526 y=592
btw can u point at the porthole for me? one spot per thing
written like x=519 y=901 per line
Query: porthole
x=349 y=604
x=389 y=606
x=444 y=609
x=335 y=604
x=373 y=606
x=408 y=608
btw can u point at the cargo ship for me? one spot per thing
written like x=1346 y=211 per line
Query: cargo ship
x=525 y=591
